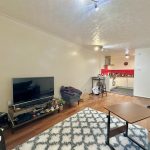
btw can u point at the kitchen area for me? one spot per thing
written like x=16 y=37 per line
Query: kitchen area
x=119 y=73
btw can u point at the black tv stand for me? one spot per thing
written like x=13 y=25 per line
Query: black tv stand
x=23 y=115
x=33 y=102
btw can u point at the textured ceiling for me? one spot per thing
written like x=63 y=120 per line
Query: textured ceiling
x=118 y=24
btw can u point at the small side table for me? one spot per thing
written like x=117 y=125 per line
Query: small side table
x=130 y=113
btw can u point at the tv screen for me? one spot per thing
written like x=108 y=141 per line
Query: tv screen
x=30 y=89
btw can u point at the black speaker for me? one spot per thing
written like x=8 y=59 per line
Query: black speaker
x=3 y=119
x=2 y=141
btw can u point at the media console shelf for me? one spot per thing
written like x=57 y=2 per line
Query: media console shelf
x=21 y=116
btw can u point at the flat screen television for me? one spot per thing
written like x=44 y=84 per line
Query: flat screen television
x=32 y=89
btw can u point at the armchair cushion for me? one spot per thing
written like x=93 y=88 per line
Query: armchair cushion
x=70 y=94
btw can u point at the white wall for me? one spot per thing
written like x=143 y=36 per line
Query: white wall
x=142 y=73
x=27 y=52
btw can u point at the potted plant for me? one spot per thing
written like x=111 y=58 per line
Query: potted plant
x=61 y=102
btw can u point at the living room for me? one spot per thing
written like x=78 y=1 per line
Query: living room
x=58 y=39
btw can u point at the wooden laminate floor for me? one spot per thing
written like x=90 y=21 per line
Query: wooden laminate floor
x=96 y=102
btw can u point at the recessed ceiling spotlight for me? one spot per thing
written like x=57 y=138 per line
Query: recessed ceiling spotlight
x=127 y=56
x=96 y=48
x=99 y=47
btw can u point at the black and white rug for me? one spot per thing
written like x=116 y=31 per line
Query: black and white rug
x=85 y=130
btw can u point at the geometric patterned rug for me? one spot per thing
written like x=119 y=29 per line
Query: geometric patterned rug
x=86 y=130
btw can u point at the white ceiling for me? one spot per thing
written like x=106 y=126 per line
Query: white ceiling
x=119 y=24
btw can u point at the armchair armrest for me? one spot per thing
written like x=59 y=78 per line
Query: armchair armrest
x=75 y=90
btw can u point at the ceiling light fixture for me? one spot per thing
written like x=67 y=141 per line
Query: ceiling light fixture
x=127 y=56
x=98 y=47
x=101 y=48
x=96 y=4
x=127 y=51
